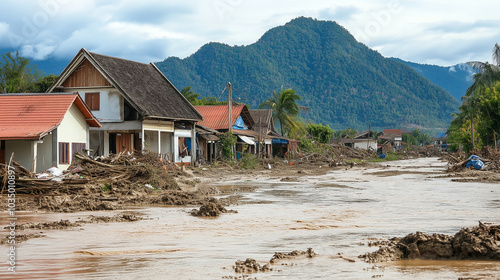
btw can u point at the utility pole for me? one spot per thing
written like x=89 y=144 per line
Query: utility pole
x=230 y=107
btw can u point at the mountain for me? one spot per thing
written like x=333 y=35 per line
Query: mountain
x=342 y=82
x=454 y=79
x=48 y=66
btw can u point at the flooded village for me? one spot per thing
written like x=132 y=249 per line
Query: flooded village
x=114 y=173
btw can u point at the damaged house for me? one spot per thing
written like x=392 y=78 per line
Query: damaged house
x=216 y=117
x=137 y=106
x=44 y=130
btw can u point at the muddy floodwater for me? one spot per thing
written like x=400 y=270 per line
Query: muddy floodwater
x=336 y=214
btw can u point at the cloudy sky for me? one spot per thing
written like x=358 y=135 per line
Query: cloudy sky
x=442 y=32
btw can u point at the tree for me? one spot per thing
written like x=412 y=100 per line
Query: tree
x=320 y=132
x=16 y=75
x=285 y=108
x=193 y=98
x=43 y=84
x=480 y=107
x=190 y=95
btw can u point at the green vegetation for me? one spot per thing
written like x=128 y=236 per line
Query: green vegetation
x=193 y=98
x=16 y=76
x=227 y=141
x=341 y=81
x=321 y=133
x=417 y=138
x=388 y=157
x=478 y=121
x=249 y=161
x=285 y=109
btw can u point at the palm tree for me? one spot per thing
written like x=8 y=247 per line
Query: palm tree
x=190 y=95
x=487 y=74
x=285 y=108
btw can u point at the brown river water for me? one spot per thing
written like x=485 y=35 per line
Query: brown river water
x=339 y=212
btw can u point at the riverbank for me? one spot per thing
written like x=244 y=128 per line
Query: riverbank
x=335 y=211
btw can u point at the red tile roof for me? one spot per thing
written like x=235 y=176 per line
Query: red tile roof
x=216 y=116
x=32 y=116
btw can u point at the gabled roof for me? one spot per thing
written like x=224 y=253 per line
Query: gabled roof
x=216 y=116
x=143 y=85
x=34 y=115
x=440 y=135
x=263 y=119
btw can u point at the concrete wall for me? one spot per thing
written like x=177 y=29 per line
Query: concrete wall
x=73 y=129
x=22 y=150
x=111 y=104
x=44 y=154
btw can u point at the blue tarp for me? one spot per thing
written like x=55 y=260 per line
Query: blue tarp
x=475 y=162
x=279 y=141
x=239 y=124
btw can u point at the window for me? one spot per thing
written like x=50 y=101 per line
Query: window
x=63 y=153
x=92 y=100
x=77 y=148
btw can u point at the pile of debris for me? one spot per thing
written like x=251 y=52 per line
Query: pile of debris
x=115 y=172
x=477 y=243
x=333 y=155
x=486 y=159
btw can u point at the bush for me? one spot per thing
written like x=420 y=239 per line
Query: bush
x=248 y=161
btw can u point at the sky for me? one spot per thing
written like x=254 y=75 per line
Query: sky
x=441 y=32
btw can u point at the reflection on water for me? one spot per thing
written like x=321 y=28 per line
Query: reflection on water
x=337 y=213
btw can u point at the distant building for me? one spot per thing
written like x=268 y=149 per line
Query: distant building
x=393 y=138
x=364 y=140
x=441 y=141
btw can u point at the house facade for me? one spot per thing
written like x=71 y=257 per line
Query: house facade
x=216 y=117
x=138 y=107
x=44 y=130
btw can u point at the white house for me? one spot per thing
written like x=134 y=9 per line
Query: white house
x=44 y=130
x=137 y=106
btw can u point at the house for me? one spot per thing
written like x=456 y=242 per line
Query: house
x=441 y=141
x=393 y=138
x=207 y=143
x=273 y=143
x=216 y=117
x=364 y=140
x=137 y=106
x=44 y=130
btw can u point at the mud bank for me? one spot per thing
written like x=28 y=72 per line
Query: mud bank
x=477 y=243
x=252 y=266
x=212 y=208
x=66 y=224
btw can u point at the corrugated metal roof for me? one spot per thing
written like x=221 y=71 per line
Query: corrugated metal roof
x=32 y=116
x=216 y=116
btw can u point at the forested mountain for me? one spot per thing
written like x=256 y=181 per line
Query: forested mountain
x=455 y=79
x=341 y=81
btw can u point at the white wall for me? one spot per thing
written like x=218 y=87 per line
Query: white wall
x=44 y=154
x=73 y=129
x=111 y=104
x=366 y=144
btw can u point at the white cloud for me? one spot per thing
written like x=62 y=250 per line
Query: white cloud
x=39 y=51
x=422 y=31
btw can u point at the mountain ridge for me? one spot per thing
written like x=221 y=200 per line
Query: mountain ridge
x=342 y=81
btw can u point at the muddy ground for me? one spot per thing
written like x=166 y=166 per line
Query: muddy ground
x=477 y=243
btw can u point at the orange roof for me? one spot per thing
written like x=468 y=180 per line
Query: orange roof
x=216 y=116
x=32 y=116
